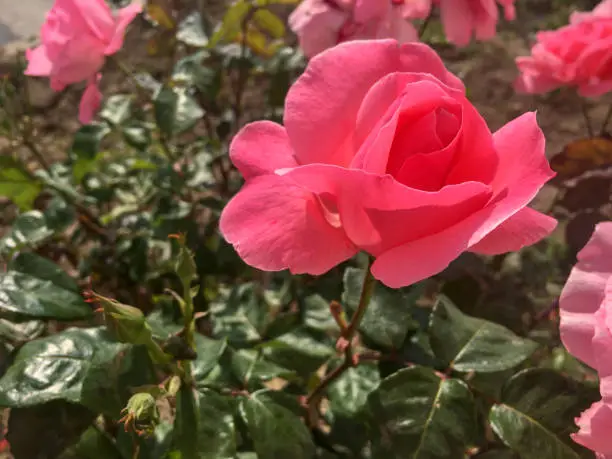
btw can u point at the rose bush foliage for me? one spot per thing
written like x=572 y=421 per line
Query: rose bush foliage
x=251 y=252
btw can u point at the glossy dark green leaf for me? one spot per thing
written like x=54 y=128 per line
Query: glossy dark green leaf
x=250 y=367
x=86 y=142
x=54 y=368
x=209 y=352
x=388 y=317
x=93 y=444
x=43 y=269
x=276 y=432
x=415 y=413
x=41 y=290
x=185 y=436
x=117 y=109
x=17 y=184
x=16 y=333
x=467 y=343
x=303 y=350
x=349 y=393
x=217 y=436
x=28 y=230
x=108 y=384
x=191 y=32
x=175 y=111
x=537 y=411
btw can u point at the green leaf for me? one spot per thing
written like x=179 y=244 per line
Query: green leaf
x=416 y=414
x=191 y=32
x=175 y=110
x=117 y=109
x=209 y=352
x=277 y=433
x=217 y=436
x=43 y=269
x=302 y=350
x=42 y=290
x=86 y=142
x=17 y=333
x=269 y=22
x=28 y=230
x=388 y=317
x=191 y=70
x=185 y=437
x=250 y=367
x=466 y=343
x=349 y=393
x=93 y=444
x=17 y=184
x=54 y=368
x=232 y=23
x=537 y=411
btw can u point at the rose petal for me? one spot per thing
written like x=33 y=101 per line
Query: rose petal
x=524 y=228
x=90 y=101
x=38 y=62
x=457 y=19
x=420 y=259
x=521 y=172
x=275 y=225
x=377 y=212
x=595 y=425
x=97 y=15
x=124 y=17
x=261 y=148
x=324 y=102
x=584 y=292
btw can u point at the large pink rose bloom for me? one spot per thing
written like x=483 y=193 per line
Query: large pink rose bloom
x=381 y=151
x=463 y=18
x=76 y=37
x=586 y=331
x=578 y=55
x=322 y=24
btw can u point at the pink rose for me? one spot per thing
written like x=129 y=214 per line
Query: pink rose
x=322 y=24
x=586 y=332
x=381 y=151
x=463 y=18
x=76 y=37
x=579 y=54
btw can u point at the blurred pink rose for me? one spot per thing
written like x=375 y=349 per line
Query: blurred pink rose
x=579 y=54
x=75 y=39
x=463 y=18
x=321 y=24
x=586 y=332
x=381 y=151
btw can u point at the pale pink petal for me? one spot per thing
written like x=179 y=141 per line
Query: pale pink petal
x=583 y=294
x=261 y=148
x=420 y=259
x=402 y=30
x=602 y=345
x=416 y=9
x=38 y=62
x=595 y=426
x=324 y=102
x=524 y=228
x=124 y=17
x=522 y=170
x=78 y=60
x=274 y=225
x=458 y=22
x=365 y=11
x=317 y=25
x=98 y=16
x=90 y=101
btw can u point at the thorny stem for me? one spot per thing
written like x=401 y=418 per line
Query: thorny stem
x=344 y=344
x=40 y=158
